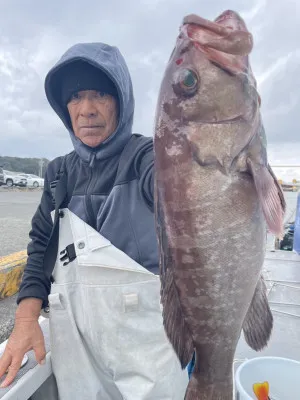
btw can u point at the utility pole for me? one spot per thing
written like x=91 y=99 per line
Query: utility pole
x=41 y=163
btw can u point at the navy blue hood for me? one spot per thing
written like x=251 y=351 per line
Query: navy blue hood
x=109 y=60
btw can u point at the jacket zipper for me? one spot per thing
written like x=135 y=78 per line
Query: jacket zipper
x=88 y=202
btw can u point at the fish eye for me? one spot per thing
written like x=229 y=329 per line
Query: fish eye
x=186 y=82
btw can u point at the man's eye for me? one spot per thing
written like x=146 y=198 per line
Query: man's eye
x=101 y=94
x=75 y=96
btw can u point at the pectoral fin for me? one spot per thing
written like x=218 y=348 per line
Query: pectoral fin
x=280 y=192
x=270 y=195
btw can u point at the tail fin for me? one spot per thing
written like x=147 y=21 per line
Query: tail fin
x=200 y=389
x=258 y=323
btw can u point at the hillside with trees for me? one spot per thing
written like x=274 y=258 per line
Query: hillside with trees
x=36 y=166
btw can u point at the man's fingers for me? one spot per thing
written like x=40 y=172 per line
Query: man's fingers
x=40 y=352
x=5 y=362
x=13 y=369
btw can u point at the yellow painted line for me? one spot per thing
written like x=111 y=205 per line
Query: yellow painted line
x=11 y=271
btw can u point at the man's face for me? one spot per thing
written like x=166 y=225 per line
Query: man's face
x=94 y=116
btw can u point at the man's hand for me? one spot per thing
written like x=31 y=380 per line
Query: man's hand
x=26 y=335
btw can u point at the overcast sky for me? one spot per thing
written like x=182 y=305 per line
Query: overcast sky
x=34 y=34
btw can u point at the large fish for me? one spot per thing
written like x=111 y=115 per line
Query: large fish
x=215 y=195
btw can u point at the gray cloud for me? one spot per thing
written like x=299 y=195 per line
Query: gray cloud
x=33 y=35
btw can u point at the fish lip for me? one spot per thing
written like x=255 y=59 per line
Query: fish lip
x=228 y=14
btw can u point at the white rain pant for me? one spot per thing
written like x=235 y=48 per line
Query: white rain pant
x=107 y=336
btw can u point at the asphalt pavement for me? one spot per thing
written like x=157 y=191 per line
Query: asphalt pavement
x=17 y=208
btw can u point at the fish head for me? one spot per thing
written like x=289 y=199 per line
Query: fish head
x=208 y=96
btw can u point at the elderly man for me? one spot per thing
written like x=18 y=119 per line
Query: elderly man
x=109 y=186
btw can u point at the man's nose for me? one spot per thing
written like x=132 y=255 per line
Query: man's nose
x=87 y=107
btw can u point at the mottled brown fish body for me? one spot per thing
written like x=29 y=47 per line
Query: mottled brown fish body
x=211 y=220
x=216 y=261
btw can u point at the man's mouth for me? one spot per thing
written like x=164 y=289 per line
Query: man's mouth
x=91 y=126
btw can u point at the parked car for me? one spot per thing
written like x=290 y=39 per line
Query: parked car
x=2 y=182
x=14 y=179
x=34 y=180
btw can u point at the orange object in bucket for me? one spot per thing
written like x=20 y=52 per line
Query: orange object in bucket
x=280 y=374
x=261 y=390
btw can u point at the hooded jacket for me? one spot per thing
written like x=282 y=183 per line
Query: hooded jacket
x=110 y=187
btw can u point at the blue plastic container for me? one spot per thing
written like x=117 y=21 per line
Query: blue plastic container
x=297 y=228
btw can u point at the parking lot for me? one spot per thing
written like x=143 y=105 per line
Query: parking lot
x=17 y=208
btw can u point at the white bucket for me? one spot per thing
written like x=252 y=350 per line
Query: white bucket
x=282 y=374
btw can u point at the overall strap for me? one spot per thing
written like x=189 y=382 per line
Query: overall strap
x=59 y=196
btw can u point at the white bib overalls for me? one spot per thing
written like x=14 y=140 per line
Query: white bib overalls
x=107 y=336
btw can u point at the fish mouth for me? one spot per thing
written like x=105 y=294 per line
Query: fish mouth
x=213 y=27
x=216 y=25
x=225 y=43
x=233 y=16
